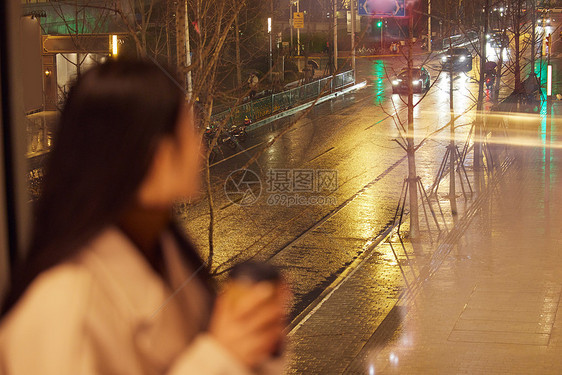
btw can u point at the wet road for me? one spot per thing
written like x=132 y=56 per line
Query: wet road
x=330 y=185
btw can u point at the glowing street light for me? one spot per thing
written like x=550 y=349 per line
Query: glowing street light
x=549 y=80
x=114 y=43
x=270 y=49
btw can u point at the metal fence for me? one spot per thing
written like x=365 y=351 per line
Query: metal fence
x=266 y=106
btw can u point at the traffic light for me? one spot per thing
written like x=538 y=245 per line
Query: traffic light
x=379 y=23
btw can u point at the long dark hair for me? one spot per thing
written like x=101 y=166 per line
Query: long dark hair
x=111 y=124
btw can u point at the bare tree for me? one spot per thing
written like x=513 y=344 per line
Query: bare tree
x=76 y=18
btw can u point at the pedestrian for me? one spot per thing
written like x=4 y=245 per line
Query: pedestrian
x=490 y=68
x=253 y=84
x=110 y=284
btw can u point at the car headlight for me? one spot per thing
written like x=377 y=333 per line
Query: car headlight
x=395 y=82
x=462 y=58
x=416 y=82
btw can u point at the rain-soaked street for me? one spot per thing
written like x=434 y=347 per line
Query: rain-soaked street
x=418 y=237
x=324 y=199
x=351 y=139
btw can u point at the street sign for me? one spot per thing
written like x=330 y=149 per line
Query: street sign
x=363 y=8
x=298 y=20
x=381 y=9
x=357 y=21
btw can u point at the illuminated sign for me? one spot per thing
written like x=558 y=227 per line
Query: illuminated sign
x=382 y=8
x=298 y=20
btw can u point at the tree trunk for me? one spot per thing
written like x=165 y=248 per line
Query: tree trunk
x=168 y=46
x=410 y=148
x=452 y=154
x=238 y=62
x=517 y=48
x=180 y=38
x=499 y=69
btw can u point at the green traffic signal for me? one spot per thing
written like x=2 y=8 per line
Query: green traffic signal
x=379 y=24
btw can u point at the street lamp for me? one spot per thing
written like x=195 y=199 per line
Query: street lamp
x=270 y=47
x=549 y=81
x=292 y=20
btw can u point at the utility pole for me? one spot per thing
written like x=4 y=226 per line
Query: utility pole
x=188 y=54
x=382 y=35
x=548 y=131
x=335 y=26
x=480 y=102
x=428 y=25
x=182 y=45
x=410 y=146
x=533 y=38
x=518 y=49
x=270 y=29
x=353 y=13
x=298 y=31
x=291 y=24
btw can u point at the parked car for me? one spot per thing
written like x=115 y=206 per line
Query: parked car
x=421 y=81
x=460 y=58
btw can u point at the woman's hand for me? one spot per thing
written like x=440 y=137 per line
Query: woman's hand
x=248 y=320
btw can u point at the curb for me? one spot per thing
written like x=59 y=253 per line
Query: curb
x=304 y=106
x=335 y=285
x=405 y=296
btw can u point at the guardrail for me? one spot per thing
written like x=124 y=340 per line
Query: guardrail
x=267 y=106
x=256 y=110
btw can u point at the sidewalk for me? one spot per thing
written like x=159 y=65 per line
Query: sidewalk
x=485 y=302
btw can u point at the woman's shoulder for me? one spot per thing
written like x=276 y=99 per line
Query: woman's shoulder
x=67 y=310
x=49 y=318
x=56 y=295
x=67 y=292
x=66 y=318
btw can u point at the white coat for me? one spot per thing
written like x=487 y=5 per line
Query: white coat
x=106 y=311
